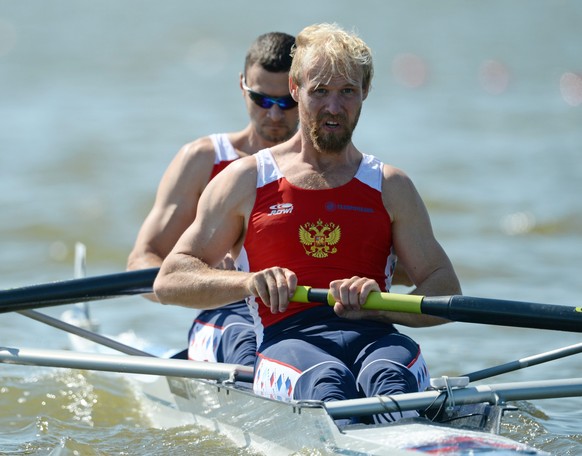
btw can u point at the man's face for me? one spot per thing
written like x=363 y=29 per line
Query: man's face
x=329 y=109
x=273 y=124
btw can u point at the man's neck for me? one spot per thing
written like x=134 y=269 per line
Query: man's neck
x=313 y=169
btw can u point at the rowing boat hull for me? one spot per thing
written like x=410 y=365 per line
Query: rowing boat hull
x=277 y=428
x=281 y=428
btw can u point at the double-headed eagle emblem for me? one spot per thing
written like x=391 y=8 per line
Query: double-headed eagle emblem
x=319 y=238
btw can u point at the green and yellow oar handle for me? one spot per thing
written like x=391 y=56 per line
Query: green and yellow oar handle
x=464 y=309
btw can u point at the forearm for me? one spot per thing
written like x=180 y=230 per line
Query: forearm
x=442 y=282
x=189 y=282
x=138 y=260
x=143 y=260
x=400 y=277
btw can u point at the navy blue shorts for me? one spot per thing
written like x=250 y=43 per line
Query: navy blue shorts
x=318 y=355
x=224 y=335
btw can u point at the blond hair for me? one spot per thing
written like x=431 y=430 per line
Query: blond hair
x=337 y=51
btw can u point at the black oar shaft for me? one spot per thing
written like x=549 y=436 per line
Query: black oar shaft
x=76 y=290
x=504 y=313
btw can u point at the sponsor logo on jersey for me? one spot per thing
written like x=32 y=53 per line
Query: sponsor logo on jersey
x=319 y=239
x=281 y=208
x=333 y=206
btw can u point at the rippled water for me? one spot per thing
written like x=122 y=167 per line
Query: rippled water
x=480 y=102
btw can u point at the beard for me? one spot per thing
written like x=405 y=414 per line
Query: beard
x=332 y=141
x=276 y=135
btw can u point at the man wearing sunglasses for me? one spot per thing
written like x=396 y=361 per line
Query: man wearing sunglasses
x=226 y=334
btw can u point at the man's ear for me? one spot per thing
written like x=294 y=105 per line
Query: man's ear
x=293 y=89
x=365 y=93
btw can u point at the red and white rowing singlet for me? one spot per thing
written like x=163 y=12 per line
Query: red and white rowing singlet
x=225 y=153
x=321 y=235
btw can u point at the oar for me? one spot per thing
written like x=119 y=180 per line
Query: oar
x=524 y=362
x=465 y=309
x=77 y=290
x=127 y=364
x=456 y=308
x=84 y=333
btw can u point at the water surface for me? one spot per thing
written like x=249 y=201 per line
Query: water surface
x=480 y=103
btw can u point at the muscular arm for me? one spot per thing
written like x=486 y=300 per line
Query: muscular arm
x=419 y=253
x=175 y=206
x=189 y=277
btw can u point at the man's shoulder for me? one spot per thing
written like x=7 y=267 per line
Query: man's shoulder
x=194 y=161
x=393 y=173
x=244 y=164
x=236 y=182
x=238 y=173
x=200 y=147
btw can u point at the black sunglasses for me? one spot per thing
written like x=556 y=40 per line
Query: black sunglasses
x=266 y=101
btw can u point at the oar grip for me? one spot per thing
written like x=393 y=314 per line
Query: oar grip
x=394 y=302
x=376 y=300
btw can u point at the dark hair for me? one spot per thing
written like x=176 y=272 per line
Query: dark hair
x=272 y=51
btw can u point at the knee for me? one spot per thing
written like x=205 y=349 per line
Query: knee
x=383 y=377
x=328 y=381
